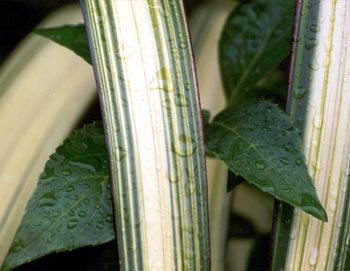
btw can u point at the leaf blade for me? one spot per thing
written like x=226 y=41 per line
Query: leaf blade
x=72 y=37
x=255 y=39
x=71 y=206
x=261 y=131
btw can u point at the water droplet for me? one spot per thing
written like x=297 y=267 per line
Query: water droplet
x=313 y=65
x=332 y=206
x=70 y=188
x=162 y=80
x=67 y=172
x=183 y=45
x=284 y=160
x=314 y=28
x=16 y=247
x=317 y=121
x=48 y=200
x=175 y=172
x=311 y=43
x=313 y=256
x=347 y=242
x=189 y=188
x=347 y=172
x=72 y=223
x=293 y=234
x=180 y=100
x=187 y=229
x=120 y=153
x=299 y=92
x=82 y=213
x=86 y=202
x=260 y=165
x=334 y=194
x=268 y=189
x=100 y=225
x=189 y=255
x=184 y=146
x=109 y=219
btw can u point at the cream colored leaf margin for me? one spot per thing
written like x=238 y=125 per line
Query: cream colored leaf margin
x=314 y=244
x=144 y=69
x=44 y=89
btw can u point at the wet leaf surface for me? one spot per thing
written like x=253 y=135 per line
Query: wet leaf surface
x=257 y=141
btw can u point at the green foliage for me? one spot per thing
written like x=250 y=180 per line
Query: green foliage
x=71 y=206
x=70 y=36
x=255 y=39
x=258 y=141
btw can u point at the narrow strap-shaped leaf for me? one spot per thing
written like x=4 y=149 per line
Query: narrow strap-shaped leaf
x=144 y=70
x=319 y=102
x=211 y=17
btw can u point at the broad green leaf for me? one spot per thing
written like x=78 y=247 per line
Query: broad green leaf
x=255 y=39
x=258 y=142
x=71 y=206
x=71 y=36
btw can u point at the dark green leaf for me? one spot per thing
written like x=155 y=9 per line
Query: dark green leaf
x=258 y=142
x=255 y=39
x=205 y=117
x=71 y=206
x=71 y=36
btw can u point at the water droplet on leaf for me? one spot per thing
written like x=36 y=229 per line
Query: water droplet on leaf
x=70 y=188
x=299 y=92
x=284 y=160
x=48 y=200
x=184 y=146
x=82 y=213
x=260 y=165
x=72 y=223
x=100 y=225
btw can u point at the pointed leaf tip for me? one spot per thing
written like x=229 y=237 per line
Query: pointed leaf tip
x=257 y=141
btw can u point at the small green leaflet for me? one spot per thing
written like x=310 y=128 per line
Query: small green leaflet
x=71 y=36
x=71 y=206
x=258 y=142
x=254 y=41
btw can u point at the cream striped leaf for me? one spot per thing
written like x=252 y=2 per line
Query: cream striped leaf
x=320 y=105
x=144 y=70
